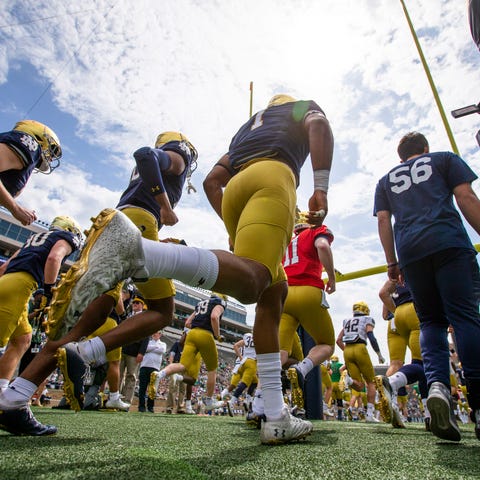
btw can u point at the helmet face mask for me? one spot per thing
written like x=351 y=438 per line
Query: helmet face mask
x=361 y=308
x=51 y=150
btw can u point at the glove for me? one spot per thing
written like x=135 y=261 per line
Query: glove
x=47 y=297
x=381 y=359
x=220 y=338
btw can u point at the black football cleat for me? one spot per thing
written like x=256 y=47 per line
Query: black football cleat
x=22 y=422
x=73 y=369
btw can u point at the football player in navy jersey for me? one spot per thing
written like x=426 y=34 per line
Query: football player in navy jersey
x=438 y=261
x=204 y=325
x=30 y=146
x=35 y=265
x=258 y=209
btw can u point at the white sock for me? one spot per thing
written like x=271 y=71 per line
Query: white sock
x=162 y=374
x=397 y=380
x=370 y=409
x=114 y=396
x=3 y=384
x=194 y=266
x=258 y=407
x=269 y=367
x=224 y=393
x=17 y=394
x=188 y=403
x=304 y=366
x=93 y=351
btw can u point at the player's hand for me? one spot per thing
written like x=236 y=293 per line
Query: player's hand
x=381 y=359
x=23 y=215
x=318 y=208
x=330 y=287
x=168 y=217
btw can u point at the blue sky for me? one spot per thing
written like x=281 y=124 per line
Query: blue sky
x=109 y=76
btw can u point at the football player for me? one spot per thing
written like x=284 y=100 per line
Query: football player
x=30 y=146
x=247 y=370
x=353 y=341
x=204 y=325
x=403 y=332
x=35 y=265
x=336 y=369
x=253 y=189
x=305 y=258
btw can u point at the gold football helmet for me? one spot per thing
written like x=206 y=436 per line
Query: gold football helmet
x=361 y=307
x=51 y=151
x=280 y=99
x=166 y=137
x=301 y=222
x=220 y=295
x=334 y=358
x=68 y=224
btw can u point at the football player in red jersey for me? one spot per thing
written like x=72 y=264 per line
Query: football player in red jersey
x=29 y=146
x=307 y=255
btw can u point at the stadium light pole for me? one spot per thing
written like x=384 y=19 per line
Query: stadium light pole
x=430 y=81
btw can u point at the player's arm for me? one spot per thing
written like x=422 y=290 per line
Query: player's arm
x=215 y=182
x=374 y=343
x=215 y=320
x=385 y=232
x=469 y=204
x=385 y=295
x=237 y=348
x=152 y=164
x=58 y=252
x=188 y=321
x=4 y=265
x=321 y=142
x=340 y=340
x=9 y=160
x=325 y=256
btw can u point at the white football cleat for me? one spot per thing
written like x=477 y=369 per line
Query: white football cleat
x=285 y=430
x=117 y=404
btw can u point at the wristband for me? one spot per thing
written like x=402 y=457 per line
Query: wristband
x=320 y=180
x=390 y=265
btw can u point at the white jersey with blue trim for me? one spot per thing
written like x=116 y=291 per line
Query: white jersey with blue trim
x=249 y=348
x=355 y=329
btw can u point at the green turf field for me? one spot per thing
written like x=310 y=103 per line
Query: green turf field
x=102 y=445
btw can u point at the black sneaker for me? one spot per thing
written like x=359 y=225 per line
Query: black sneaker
x=22 y=422
x=442 y=419
x=74 y=369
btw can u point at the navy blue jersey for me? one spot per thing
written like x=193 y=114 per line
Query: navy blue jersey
x=419 y=194
x=278 y=133
x=34 y=253
x=29 y=151
x=138 y=194
x=401 y=295
x=203 y=312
